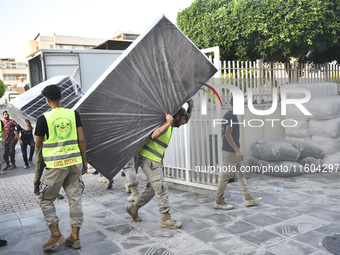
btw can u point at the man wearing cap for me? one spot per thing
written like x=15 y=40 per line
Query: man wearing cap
x=60 y=135
x=151 y=161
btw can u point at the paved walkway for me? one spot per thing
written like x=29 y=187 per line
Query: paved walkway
x=292 y=221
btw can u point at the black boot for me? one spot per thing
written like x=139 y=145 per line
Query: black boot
x=3 y=242
x=36 y=190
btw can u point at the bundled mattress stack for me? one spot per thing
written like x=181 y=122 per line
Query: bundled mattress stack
x=156 y=75
x=322 y=127
x=32 y=104
x=283 y=158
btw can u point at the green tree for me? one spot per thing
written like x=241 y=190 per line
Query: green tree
x=271 y=29
x=2 y=88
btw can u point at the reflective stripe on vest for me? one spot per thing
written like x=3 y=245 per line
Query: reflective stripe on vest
x=155 y=149
x=61 y=149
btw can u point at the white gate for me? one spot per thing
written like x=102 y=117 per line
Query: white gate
x=197 y=145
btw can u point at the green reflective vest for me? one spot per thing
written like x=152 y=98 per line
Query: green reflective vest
x=154 y=149
x=61 y=149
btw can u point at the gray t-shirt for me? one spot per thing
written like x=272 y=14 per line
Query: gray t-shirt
x=233 y=122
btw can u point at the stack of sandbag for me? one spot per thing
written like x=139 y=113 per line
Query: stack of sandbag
x=310 y=156
x=283 y=158
x=322 y=127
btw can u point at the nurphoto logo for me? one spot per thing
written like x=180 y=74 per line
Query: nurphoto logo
x=238 y=104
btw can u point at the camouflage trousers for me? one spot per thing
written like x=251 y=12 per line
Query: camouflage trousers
x=1 y=153
x=40 y=165
x=155 y=185
x=131 y=173
x=51 y=182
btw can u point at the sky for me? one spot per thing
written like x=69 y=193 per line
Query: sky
x=23 y=20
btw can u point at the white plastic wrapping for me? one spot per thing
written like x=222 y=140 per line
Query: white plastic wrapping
x=318 y=89
x=329 y=128
x=31 y=104
x=324 y=108
x=299 y=139
x=331 y=159
x=310 y=162
x=327 y=145
x=274 y=150
x=306 y=149
x=156 y=75
x=278 y=169
x=300 y=130
x=293 y=112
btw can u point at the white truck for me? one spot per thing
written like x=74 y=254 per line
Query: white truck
x=85 y=66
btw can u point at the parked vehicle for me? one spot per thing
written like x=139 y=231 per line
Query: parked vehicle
x=85 y=66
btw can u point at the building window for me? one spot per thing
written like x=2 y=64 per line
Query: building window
x=131 y=37
x=2 y=66
x=8 y=77
x=20 y=75
x=51 y=46
x=21 y=65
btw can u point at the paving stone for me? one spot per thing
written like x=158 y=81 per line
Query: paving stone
x=331 y=216
x=283 y=213
x=329 y=229
x=238 y=227
x=206 y=250
x=291 y=247
x=261 y=251
x=102 y=248
x=182 y=243
x=209 y=235
x=216 y=219
x=134 y=240
x=234 y=245
x=261 y=220
x=193 y=225
x=15 y=223
x=261 y=237
x=152 y=250
x=293 y=221
x=312 y=238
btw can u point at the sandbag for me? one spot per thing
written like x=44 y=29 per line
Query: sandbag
x=318 y=89
x=306 y=149
x=327 y=145
x=293 y=112
x=310 y=162
x=329 y=128
x=299 y=139
x=274 y=150
x=278 y=169
x=324 y=108
x=300 y=130
x=331 y=162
